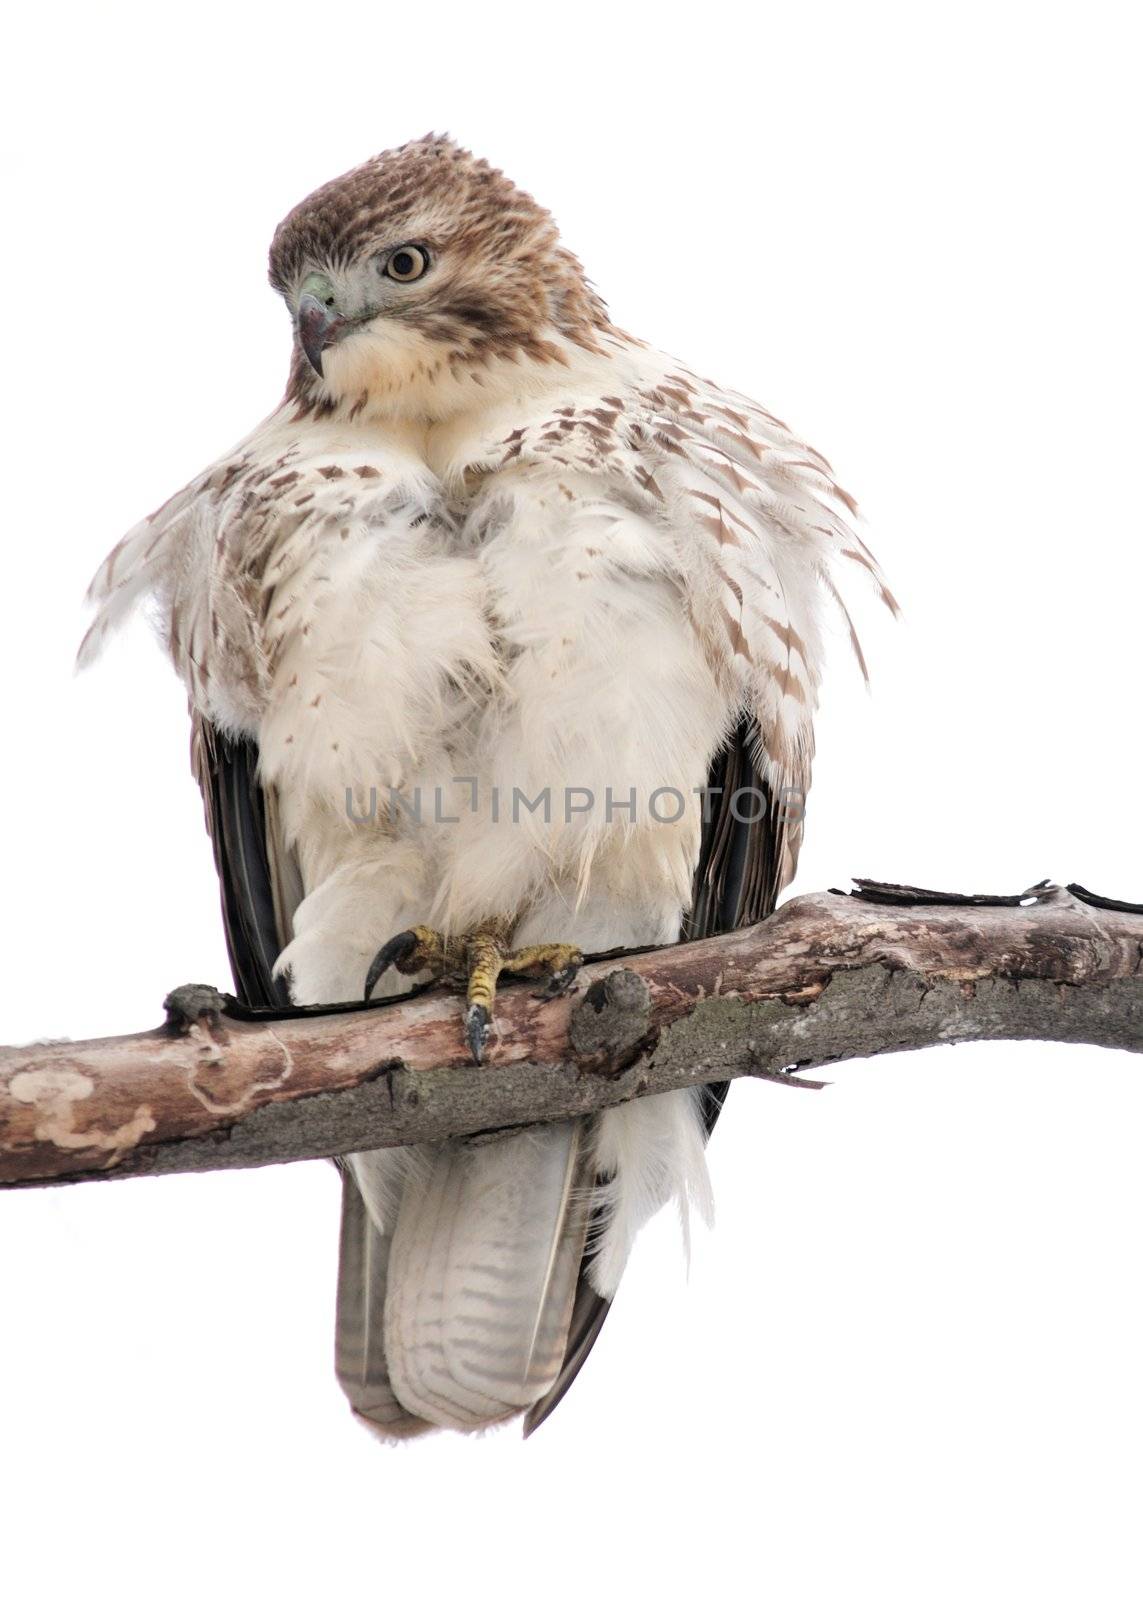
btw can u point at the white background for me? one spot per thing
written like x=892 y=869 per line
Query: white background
x=907 y=1359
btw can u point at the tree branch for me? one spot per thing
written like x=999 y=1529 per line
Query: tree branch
x=827 y=978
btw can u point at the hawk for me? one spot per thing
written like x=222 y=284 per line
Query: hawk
x=502 y=638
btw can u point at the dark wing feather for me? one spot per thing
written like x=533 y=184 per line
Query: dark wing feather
x=244 y=855
x=749 y=839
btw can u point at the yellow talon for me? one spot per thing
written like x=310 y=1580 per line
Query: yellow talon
x=488 y=958
x=482 y=956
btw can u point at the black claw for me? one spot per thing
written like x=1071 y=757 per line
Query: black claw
x=560 y=981
x=477 y=1025
x=398 y=949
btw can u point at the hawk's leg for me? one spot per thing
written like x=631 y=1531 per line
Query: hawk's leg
x=479 y=958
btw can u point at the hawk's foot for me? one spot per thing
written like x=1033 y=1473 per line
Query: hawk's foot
x=479 y=957
x=489 y=956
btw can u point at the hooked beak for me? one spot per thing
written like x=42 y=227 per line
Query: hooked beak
x=318 y=328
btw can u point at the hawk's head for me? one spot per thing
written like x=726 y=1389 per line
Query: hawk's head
x=418 y=277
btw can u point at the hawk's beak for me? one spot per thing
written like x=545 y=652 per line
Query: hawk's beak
x=318 y=327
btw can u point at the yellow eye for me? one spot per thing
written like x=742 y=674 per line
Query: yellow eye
x=407 y=263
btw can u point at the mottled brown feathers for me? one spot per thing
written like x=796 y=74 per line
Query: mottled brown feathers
x=510 y=283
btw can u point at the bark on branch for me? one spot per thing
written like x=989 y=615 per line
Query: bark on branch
x=827 y=978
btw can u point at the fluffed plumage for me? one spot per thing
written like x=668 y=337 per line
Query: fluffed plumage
x=489 y=548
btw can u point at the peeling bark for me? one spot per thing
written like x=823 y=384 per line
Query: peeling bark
x=825 y=979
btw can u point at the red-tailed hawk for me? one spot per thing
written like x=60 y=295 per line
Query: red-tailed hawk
x=502 y=636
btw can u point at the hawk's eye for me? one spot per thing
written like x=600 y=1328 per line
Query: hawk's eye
x=407 y=263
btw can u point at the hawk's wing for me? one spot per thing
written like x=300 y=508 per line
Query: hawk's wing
x=759 y=520
x=234 y=561
x=258 y=880
x=749 y=834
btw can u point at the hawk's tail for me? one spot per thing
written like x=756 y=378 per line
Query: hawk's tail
x=467 y=1271
x=459 y=1317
